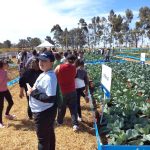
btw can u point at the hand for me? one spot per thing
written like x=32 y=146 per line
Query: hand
x=87 y=99
x=30 y=91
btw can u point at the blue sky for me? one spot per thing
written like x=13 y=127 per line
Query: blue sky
x=35 y=18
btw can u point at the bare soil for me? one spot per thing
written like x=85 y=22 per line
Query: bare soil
x=20 y=133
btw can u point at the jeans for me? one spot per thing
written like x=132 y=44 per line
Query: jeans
x=8 y=97
x=69 y=100
x=44 y=124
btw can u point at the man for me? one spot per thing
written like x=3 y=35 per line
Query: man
x=43 y=102
x=66 y=78
x=107 y=55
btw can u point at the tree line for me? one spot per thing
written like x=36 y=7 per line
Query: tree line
x=25 y=43
x=113 y=30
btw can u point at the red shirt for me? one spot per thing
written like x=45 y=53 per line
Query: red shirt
x=66 y=78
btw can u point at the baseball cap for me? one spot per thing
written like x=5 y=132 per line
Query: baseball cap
x=46 y=56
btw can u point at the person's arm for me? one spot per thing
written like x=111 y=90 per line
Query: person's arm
x=86 y=81
x=57 y=69
x=43 y=97
x=21 y=94
x=23 y=79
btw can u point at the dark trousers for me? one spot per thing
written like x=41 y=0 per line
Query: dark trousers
x=69 y=100
x=8 y=97
x=107 y=58
x=44 y=123
x=79 y=94
x=28 y=107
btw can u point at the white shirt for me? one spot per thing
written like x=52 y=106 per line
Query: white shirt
x=45 y=83
x=79 y=83
x=63 y=60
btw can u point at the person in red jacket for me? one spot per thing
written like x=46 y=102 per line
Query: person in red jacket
x=66 y=78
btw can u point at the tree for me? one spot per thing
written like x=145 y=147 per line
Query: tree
x=23 y=43
x=85 y=30
x=66 y=36
x=1 y=45
x=58 y=34
x=144 y=15
x=35 y=42
x=129 y=16
x=29 y=39
x=116 y=22
x=49 y=39
x=125 y=25
x=7 y=44
x=32 y=42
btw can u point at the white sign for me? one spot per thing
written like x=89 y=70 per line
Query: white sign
x=106 y=77
x=142 y=56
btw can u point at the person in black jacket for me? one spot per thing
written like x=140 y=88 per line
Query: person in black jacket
x=30 y=77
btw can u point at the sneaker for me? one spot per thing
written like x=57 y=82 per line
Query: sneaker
x=10 y=117
x=75 y=128
x=1 y=125
x=79 y=119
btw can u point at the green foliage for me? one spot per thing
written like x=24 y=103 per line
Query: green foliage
x=128 y=112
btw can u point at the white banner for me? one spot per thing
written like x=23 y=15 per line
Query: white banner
x=142 y=56
x=106 y=77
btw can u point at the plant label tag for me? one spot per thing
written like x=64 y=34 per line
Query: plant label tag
x=142 y=57
x=106 y=77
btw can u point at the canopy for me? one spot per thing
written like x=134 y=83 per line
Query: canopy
x=45 y=44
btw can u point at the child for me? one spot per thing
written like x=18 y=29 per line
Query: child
x=4 y=93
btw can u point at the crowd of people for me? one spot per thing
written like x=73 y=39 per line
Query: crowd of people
x=51 y=82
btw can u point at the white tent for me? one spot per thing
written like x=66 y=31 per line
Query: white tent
x=45 y=44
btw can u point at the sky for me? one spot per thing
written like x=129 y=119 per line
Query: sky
x=35 y=18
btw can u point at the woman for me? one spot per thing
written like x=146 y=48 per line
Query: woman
x=43 y=102
x=4 y=93
x=81 y=84
x=30 y=77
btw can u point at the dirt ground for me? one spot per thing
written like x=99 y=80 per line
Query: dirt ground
x=20 y=134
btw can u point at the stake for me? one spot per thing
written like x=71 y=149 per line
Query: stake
x=103 y=105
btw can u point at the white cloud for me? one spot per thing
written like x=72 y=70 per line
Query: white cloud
x=23 y=18
x=35 y=18
x=71 y=4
